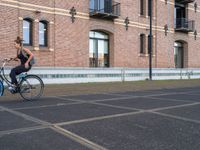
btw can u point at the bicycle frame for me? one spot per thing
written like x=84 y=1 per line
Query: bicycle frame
x=22 y=78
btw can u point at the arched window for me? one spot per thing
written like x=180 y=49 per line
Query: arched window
x=179 y=54
x=99 y=49
x=142 y=44
x=27 y=32
x=43 y=33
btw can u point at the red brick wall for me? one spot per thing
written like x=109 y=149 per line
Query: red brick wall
x=68 y=43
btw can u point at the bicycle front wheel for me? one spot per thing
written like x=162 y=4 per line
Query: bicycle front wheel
x=1 y=88
x=31 y=87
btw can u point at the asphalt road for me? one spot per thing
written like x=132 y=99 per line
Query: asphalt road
x=165 y=119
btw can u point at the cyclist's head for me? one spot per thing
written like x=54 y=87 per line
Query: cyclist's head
x=18 y=42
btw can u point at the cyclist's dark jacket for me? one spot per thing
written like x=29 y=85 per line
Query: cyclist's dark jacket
x=22 y=58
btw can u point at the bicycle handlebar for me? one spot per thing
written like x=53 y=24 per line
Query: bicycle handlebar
x=8 y=60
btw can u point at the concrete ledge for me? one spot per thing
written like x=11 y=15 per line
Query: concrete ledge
x=51 y=75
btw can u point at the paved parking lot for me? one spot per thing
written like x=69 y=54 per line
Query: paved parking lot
x=165 y=119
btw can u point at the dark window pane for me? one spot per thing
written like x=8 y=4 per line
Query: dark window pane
x=142 y=43
x=141 y=7
x=27 y=24
x=42 y=34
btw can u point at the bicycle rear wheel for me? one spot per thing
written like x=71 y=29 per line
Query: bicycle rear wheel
x=31 y=87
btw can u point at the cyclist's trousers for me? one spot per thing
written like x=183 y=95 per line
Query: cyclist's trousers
x=16 y=71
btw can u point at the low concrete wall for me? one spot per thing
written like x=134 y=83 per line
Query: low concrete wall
x=86 y=75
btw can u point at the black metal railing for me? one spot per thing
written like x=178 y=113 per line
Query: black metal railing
x=104 y=8
x=184 y=1
x=183 y=24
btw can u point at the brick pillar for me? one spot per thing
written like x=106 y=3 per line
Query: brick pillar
x=35 y=35
x=20 y=30
x=51 y=43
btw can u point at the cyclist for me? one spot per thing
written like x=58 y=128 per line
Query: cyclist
x=25 y=56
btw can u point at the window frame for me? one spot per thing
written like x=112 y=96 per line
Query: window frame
x=45 y=23
x=30 y=21
x=142 y=43
x=97 y=39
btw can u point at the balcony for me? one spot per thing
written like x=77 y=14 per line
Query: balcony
x=184 y=1
x=184 y=25
x=104 y=9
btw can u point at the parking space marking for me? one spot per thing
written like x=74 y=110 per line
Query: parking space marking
x=27 y=117
x=99 y=118
x=21 y=130
x=171 y=99
x=45 y=106
x=194 y=94
x=56 y=128
x=115 y=106
x=177 y=117
x=172 y=107
x=78 y=138
x=146 y=96
x=128 y=114
x=64 y=97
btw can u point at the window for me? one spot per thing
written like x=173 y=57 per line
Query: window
x=142 y=44
x=43 y=33
x=27 y=32
x=99 y=49
x=142 y=7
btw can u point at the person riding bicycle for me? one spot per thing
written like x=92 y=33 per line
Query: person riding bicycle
x=25 y=56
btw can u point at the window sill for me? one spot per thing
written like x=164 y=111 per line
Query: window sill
x=142 y=16
x=45 y=49
x=147 y=17
x=145 y=55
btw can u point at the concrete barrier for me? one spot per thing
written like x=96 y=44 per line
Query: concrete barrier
x=85 y=75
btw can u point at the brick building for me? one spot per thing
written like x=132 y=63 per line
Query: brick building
x=103 y=33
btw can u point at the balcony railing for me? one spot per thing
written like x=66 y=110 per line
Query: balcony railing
x=184 y=1
x=184 y=25
x=105 y=9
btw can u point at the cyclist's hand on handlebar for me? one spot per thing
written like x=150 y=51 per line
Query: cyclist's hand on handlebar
x=6 y=60
x=10 y=59
x=13 y=59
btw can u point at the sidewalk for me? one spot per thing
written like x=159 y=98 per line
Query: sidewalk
x=93 y=88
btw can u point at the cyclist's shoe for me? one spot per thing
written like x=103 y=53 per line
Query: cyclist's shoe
x=12 y=89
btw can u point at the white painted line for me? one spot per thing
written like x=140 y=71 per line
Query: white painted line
x=177 y=117
x=99 y=118
x=78 y=138
x=21 y=130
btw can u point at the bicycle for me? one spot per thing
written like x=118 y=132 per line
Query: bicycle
x=30 y=87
